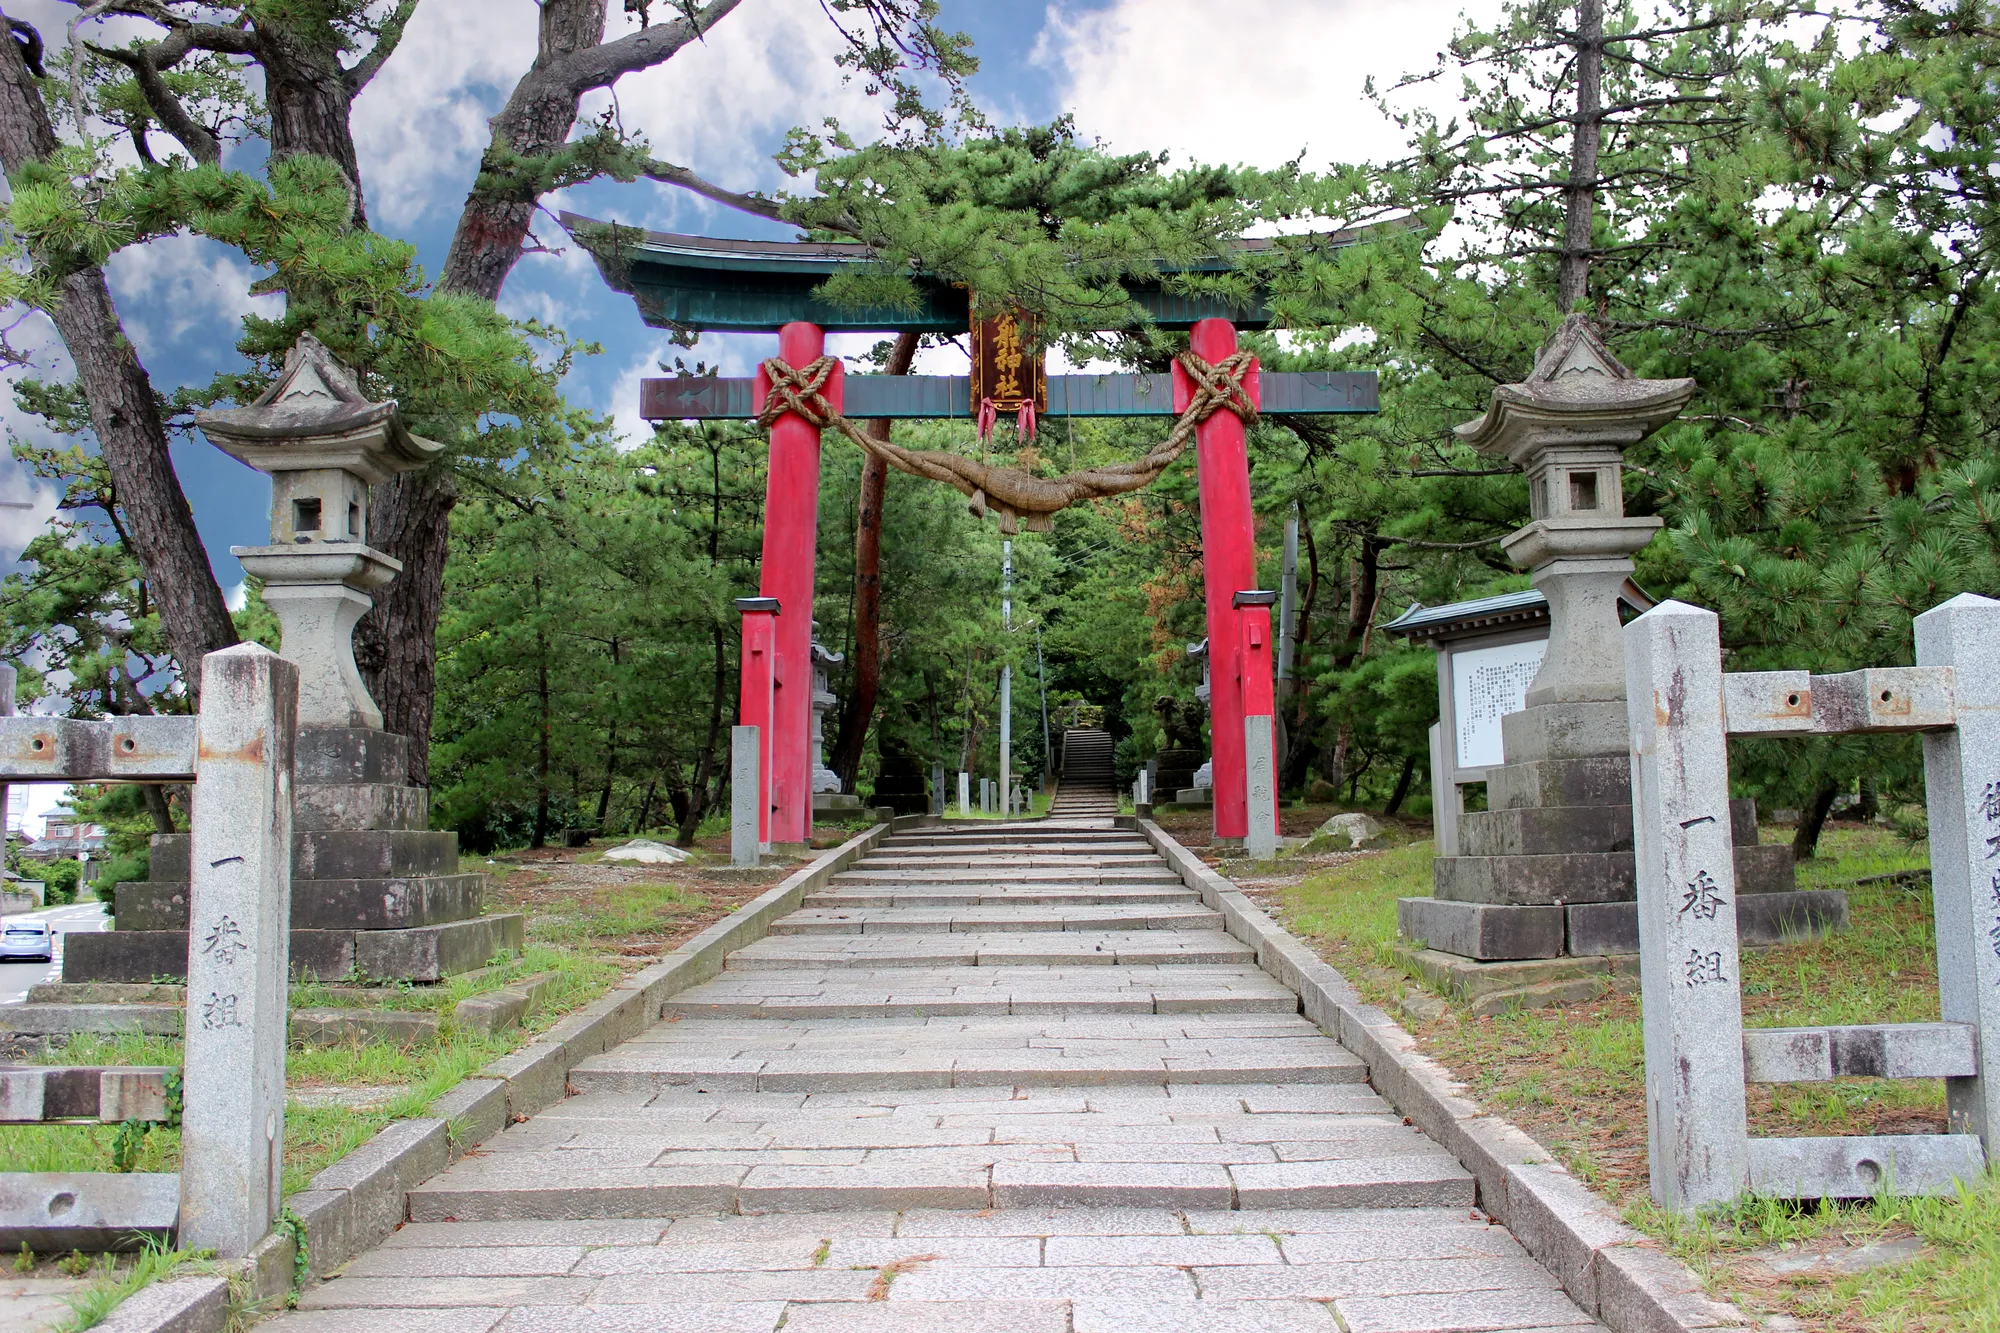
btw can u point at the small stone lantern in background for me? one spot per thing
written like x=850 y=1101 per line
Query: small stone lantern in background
x=324 y=445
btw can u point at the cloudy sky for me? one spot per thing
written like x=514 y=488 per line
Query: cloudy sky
x=1254 y=80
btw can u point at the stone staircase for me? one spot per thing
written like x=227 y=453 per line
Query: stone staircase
x=1087 y=789
x=1019 y=1072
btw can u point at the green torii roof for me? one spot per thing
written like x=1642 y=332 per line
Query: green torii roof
x=707 y=282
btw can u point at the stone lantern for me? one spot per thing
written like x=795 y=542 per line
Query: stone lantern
x=1567 y=426
x=825 y=782
x=324 y=445
x=1546 y=870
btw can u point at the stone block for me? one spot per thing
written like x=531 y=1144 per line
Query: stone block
x=388 y=903
x=1641 y=1290
x=494 y=1011
x=473 y=1112
x=176 y=1305
x=328 y=1218
x=1765 y=869
x=1481 y=930
x=335 y=854
x=266 y=1272
x=1469 y=978
x=360 y=805
x=367 y=853
x=1559 y=1221
x=1535 y=881
x=535 y=1076
x=1557 y=829
x=52 y=1020
x=371 y=1027
x=432 y=953
x=1565 y=731
x=149 y=956
x=1603 y=780
x=379 y=1175
x=1761 y=918
x=341 y=755
x=55 y=1212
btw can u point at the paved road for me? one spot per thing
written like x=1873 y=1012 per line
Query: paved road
x=1012 y=1079
x=15 y=978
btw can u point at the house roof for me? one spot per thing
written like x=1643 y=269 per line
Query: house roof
x=1527 y=609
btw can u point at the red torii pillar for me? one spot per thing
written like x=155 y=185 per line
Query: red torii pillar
x=1229 y=565
x=791 y=538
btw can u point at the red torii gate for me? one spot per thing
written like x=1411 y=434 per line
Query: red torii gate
x=688 y=282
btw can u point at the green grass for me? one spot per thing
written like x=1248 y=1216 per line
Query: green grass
x=116 y=1281
x=623 y=911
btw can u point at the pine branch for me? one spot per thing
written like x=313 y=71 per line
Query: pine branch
x=387 y=39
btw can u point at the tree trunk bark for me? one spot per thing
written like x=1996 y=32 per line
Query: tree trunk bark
x=537 y=119
x=395 y=645
x=1812 y=820
x=1402 y=785
x=1363 y=593
x=123 y=413
x=1586 y=134
x=860 y=709
x=1299 y=757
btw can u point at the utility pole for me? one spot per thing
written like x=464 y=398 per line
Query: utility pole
x=1006 y=679
x=1042 y=673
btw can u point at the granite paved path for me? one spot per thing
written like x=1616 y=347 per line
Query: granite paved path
x=1011 y=1078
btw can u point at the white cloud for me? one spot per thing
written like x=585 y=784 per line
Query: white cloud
x=1257 y=82
x=237 y=597
x=180 y=285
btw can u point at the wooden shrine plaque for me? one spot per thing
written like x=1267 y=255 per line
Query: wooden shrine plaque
x=1007 y=365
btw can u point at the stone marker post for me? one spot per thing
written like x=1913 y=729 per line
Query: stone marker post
x=745 y=756
x=233 y=1130
x=937 y=789
x=964 y=793
x=1698 y=1139
x=1962 y=794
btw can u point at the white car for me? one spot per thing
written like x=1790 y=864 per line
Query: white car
x=27 y=938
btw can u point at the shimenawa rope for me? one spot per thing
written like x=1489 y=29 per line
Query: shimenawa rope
x=1017 y=496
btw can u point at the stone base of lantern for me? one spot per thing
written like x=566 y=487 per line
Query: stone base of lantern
x=374 y=890
x=1547 y=871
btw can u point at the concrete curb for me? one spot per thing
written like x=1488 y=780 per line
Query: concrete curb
x=360 y=1199
x=1607 y=1268
x=175 y=1305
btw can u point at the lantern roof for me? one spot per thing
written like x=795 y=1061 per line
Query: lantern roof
x=1579 y=395
x=316 y=416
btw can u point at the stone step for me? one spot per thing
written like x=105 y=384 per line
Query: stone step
x=1021 y=987
x=927 y=921
x=597 y=1155
x=323 y=904
x=1156 y=874
x=961 y=858
x=824 y=1055
x=1068 y=948
x=1046 y=895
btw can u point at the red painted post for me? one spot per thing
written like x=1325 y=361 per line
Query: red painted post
x=1229 y=563
x=758 y=697
x=791 y=536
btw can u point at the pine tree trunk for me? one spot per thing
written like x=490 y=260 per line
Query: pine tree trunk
x=1805 y=842
x=705 y=766
x=1402 y=785
x=395 y=645
x=130 y=433
x=860 y=709
x=1586 y=134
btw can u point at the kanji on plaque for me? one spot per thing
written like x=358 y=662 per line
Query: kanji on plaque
x=1007 y=371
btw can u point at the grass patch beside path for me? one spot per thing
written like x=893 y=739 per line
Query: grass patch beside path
x=1575 y=1079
